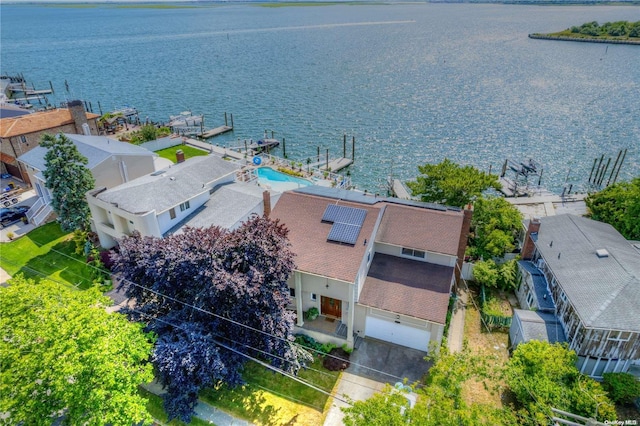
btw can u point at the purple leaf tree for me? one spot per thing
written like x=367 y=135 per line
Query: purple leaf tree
x=205 y=291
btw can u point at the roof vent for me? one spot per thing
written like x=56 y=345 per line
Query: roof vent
x=602 y=253
x=158 y=173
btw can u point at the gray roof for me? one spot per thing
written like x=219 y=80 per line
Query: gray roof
x=537 y=325
x=229 y=204
x=605 y=291
x=95 y=148
x=539 y=286
x=164 y=189
x=367 y=198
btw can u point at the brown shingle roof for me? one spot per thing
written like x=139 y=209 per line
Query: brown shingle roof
x=302 y=214
x=408 y=287
x=39 y=121
x=420 y=228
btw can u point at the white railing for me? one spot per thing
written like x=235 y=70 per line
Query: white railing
x=42 y=215
x=34 y=209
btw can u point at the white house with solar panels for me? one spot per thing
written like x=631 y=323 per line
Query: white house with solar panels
x=373 y=267
x=583 y=278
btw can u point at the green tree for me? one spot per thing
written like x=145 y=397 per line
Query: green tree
x=486 y=273
x=451 y=184
x=544 y=376
x=68 y=179
x=382 y=409
x=619 y=206
x=63 y=356
x=495 y=225
x=622 y=388
x=508 y=275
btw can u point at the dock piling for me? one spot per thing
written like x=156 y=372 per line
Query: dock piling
x=284 y=149
x=225 y=118
x=344 y=146
x=318 y=155
x=232 y=121
x=620 y=165
x=614 y=167
x=595 y=161
x=353 y=148
x=327 y=167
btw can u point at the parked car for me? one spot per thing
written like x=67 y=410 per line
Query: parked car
x=9 y=215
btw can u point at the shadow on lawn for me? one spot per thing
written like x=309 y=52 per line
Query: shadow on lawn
x=60 y=263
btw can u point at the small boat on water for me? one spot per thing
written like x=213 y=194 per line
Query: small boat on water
x=264 y=144
x=186 y=119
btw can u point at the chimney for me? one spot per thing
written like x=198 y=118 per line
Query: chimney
x=78 y=114
x=179 y=156
x=266 y=199
x=528 y=246
x=464 y=236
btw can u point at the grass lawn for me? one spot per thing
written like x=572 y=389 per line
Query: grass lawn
x=43 y=253
x=189 y=151
x=269 y=398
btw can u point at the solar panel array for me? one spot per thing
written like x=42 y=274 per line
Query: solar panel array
x=347 y=222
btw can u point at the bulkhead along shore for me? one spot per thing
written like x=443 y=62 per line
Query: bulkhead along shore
x=588 y=40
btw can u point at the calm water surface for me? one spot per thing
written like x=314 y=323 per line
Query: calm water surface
x=413 y=83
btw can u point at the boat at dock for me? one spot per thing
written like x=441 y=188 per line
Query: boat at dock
x=186 y=119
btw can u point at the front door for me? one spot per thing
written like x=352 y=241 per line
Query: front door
x=331 y=307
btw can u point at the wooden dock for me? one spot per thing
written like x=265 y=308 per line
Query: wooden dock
x=339 y=164
x=400 y=190
x=215 y=132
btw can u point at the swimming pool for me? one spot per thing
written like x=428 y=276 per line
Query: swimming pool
x=279 y=181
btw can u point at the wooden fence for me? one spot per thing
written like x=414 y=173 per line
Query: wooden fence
x=492 y=321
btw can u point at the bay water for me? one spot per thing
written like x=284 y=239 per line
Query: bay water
x=412 y=82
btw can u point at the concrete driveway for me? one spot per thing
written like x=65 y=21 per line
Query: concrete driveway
x=18 y=228
x=374 y=364
x=374 y=358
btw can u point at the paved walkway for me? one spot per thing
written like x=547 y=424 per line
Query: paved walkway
x=357 y=388
x=456 y=327
x=4 y=276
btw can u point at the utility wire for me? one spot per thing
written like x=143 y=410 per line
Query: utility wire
x=264 y=364
x=221 y=317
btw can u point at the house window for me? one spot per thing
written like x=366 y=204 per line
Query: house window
x=529 y=299
x=314 y=297
x=23 y=139
x=292 y=292
x=184 y=206
x=619 y=336
x=563 y=296
x=172 y=213
x=413 y=253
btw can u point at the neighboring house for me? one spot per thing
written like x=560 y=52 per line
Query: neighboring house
x=11 y=110
x=20 y=134
x=199 y=192
x=375 y=267
x=588 y=276
x=535 y=325
x=111 y=163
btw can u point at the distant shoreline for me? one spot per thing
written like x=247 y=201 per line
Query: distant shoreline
x=583 y=39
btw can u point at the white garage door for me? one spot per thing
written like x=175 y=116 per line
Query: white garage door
x=400 y=334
